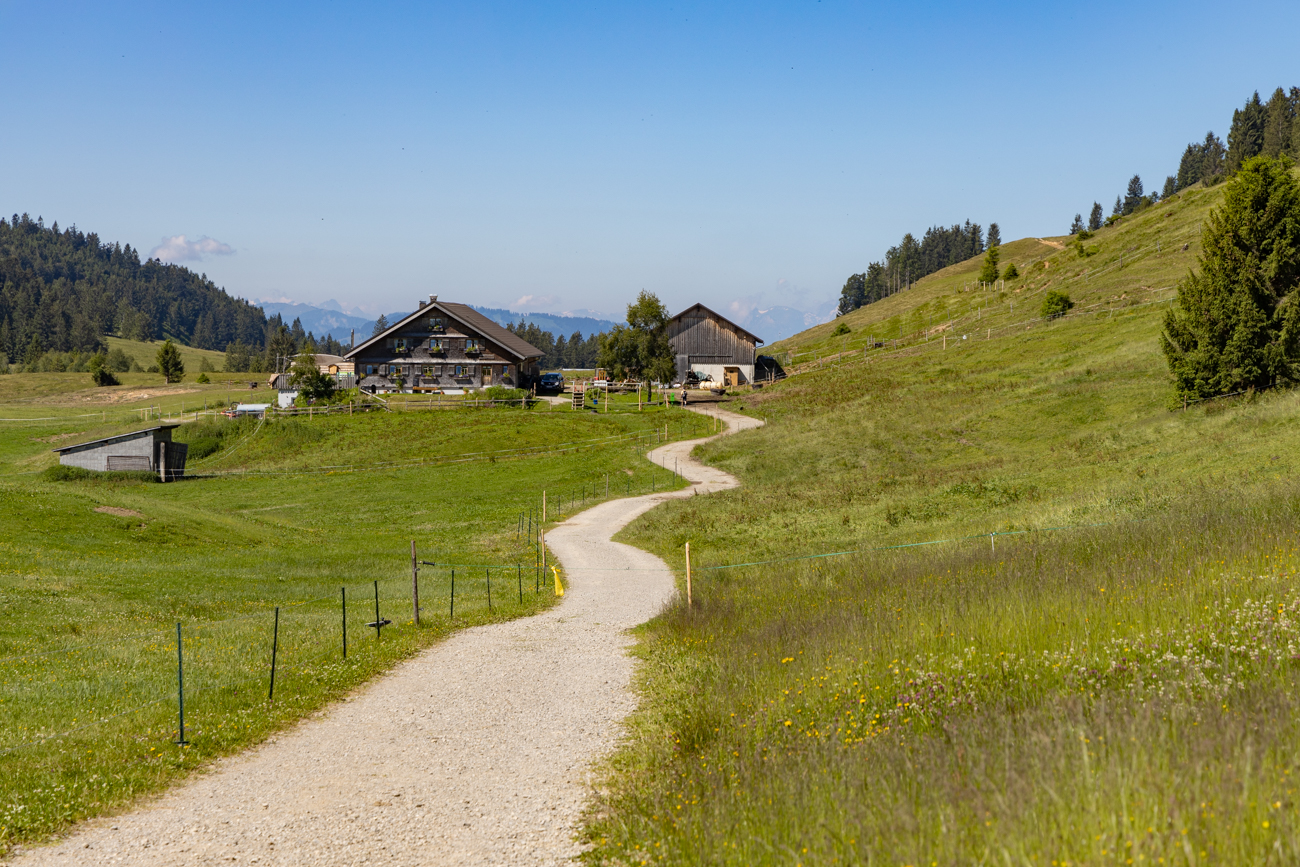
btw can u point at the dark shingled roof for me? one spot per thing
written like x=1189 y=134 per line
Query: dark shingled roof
x=468 y=316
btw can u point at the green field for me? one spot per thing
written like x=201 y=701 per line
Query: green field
x=96 y=574
x=1059 y=622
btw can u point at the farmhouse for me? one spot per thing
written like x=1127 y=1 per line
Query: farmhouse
x=150 y=450
x=707 y=343
x=444 y=346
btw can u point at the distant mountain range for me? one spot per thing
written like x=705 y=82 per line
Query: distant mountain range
x=772 y=324
x=331 y=319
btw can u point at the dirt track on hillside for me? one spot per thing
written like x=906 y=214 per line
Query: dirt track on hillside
x=477 y=751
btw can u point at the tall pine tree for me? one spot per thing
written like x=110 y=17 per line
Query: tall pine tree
x=1246 y=138
x=1133 y=196
x=1237 y=325
x=1279 y=117
x=1095 y=217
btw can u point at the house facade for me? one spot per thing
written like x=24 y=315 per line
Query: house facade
x=444 y=347
x=708 y=343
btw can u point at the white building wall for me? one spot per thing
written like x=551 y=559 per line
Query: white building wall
x=719 y=372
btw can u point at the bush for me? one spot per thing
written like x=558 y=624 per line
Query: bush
x=500 y=392
x=153 y=368
x=203 y=378
x=1055 y=304
x=205 y=366
x=1011 y=273
x=202 y=447
x=102 y=376
x=841 y=328
x=119 y=362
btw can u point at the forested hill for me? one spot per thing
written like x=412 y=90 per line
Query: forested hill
x=63 y=289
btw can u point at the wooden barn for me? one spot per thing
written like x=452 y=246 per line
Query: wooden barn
x=708 y=343
x=444 y=347
x=150 y=450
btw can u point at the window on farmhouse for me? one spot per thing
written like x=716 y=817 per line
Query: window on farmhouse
x=370 y=369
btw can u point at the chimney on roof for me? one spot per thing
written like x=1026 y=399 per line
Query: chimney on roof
x=353 y=342
x=422 y=304
x=433 y=298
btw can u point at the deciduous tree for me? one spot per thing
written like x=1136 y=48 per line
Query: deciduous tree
x=640 y=348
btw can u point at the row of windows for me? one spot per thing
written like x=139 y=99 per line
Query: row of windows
x=438 y=369
x=435 y=344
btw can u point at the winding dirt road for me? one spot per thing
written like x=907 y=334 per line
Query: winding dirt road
x=477 y=751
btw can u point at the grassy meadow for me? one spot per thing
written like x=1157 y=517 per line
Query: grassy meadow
x=291 y=513
x=1060 y=622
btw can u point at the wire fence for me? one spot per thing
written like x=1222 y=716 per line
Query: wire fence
x=210 y=668
x=238 y=663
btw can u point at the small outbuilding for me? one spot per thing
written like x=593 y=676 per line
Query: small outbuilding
x=708 y=343
x=148 y=450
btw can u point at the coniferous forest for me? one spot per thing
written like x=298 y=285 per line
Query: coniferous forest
x=1270 y=129
x=559 y=352
x=61 y=290
x=911 y=260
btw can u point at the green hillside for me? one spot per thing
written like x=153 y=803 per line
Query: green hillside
x=62 y=290
x=988 y=601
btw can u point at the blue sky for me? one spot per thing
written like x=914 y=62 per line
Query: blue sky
x=562 y=157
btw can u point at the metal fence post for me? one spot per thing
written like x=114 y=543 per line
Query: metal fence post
x=180 y=687
x=343 y=591
x=275 y=647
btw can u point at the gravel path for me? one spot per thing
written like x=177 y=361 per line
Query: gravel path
x=477 y=751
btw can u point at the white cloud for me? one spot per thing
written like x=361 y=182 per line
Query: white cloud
x=181 y=249
x=534 y=301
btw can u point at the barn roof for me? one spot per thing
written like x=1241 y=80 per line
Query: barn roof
x=118 y=438
x=715 y=315
x=469 y=317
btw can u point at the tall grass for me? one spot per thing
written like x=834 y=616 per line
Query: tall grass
x=1086 y=696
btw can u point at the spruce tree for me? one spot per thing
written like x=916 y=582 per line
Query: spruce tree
x=1077 y=226
x=1119 y=207
x=995 y=235
x=169 y=362
x=1237 y=323
x=1133 y=197
x=1246 y=137
x=1279 y=116
x=381 y=325
x=989 y=270
x=1171 y=187
x=1095 y=218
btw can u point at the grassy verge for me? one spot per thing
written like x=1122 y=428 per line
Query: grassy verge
x=95 y=574
x=1122 y=688
x=1084 y=697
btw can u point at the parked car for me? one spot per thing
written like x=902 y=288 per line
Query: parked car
x=551 y=382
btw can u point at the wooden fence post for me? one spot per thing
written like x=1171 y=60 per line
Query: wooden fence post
x=688 y=574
